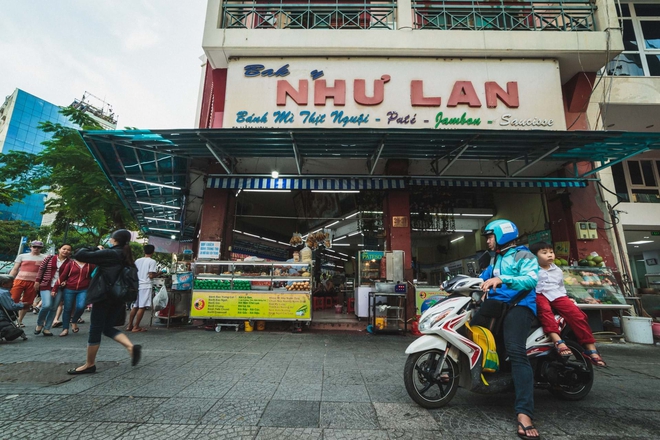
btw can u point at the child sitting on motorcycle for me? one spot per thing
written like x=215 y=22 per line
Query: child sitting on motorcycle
x=552 y=298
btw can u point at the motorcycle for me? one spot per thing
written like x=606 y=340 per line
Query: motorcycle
x=445 y=357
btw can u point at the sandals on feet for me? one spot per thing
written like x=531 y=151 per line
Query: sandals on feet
x=595 y=358
x=525 y=429
x=563 y=352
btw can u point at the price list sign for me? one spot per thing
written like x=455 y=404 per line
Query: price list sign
x=230 y=305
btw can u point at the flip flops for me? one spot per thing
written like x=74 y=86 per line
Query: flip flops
x=525 y=436
x=138 y=329
x=594 y=357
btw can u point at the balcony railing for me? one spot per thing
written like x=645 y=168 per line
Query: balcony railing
x=512 y=15
x=561 y=15
x=308 y=15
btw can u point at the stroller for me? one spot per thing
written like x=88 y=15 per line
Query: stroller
x=9 y=330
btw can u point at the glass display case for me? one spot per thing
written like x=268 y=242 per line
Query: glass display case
x=252 y=290
x=370 y=267
x=592 y=285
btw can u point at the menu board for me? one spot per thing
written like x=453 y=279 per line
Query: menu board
x=209 y=250
x=235 y=305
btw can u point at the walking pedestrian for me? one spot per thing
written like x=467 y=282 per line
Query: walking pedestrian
x=51 y=295
x=106 y=310
x=24 y=272
x=74 y=281
x=147 y=270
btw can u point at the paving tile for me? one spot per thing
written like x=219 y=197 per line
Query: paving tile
x=242 y=412
x=356 y=434
x=297 y=374
x=127 y=409
x=162 y=388
x=298 y=391
x=342 y=377
x=388 y=393
x=252 y=390
x=345 y=393
x=32 y=430
x=181 y=411
x=291 y=414
x=157 y=431
x=266 y=433
x=493 y=421
x=93 y=430
x=266 y=374
x=345 y=415
x=206 y=388
x=218 y=432
x=71 y=408
x=17 y=407
x=404 y=416
x=116 y=387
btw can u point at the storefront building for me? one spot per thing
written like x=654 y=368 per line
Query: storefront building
x=400 y=126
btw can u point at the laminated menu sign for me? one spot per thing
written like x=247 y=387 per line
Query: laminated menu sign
x=209 y=250
x=234 y=305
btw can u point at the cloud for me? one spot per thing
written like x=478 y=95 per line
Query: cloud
x=140 y=39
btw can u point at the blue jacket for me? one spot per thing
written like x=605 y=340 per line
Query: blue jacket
x=518 y=269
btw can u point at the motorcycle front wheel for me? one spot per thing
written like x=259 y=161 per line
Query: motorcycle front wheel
x=579 y=383
x=423 y=385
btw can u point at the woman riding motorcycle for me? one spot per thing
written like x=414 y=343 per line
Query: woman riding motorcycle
x=513 y=271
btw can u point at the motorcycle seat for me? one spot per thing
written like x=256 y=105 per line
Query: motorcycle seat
x=535 y=324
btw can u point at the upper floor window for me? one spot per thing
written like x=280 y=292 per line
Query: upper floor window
x=637 y=181
x=641 y=39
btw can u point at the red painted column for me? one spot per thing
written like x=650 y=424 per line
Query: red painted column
x=218 y=218
x=397 y=204
x=571 y=205
x=213 y=98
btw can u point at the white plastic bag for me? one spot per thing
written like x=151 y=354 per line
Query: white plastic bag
x=160 y=300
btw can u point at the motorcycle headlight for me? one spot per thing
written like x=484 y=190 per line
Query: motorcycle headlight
x=431 y=320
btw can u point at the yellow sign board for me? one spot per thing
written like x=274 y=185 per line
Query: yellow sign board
x=250 y=305
x=424 y=293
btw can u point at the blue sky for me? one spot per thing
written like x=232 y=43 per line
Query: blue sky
x=141 y=56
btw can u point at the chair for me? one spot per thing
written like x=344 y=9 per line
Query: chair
x=350 y=306
x=329 y=302
x=317 y=303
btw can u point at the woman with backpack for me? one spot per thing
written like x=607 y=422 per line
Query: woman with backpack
x=107 y=310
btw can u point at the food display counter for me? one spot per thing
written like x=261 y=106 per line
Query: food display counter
x=252 y=291
x=595 y=290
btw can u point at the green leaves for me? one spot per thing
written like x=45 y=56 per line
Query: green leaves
x=81 y=195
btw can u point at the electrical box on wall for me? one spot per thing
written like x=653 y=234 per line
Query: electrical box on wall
x=593 y=230
x=586 y=230
x=582 y=230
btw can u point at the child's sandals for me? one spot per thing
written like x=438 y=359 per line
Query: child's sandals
x=563 y=351
x=595 y=358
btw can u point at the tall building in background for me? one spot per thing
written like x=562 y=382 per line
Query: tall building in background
x=20 y=116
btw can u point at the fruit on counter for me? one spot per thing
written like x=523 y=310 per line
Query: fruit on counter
x=561 y=262
x=242 y=285
x=583 y=262
x=305 y=274
x=298 y=285
x=212 y=284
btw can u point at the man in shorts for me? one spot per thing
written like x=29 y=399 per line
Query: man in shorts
x=147 y=269
x=25 y=287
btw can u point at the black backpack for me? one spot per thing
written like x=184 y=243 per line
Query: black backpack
x=125 y=288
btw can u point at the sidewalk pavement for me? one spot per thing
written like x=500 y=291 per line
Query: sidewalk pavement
x=196 y=384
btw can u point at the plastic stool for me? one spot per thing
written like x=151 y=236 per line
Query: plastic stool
x=317 y=303
x=329 y=301
x=350 y=306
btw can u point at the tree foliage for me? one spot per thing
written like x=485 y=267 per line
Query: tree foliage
x=10 y=237
x=81 y=195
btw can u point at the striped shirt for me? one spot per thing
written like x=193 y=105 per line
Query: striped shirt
x=29 y=266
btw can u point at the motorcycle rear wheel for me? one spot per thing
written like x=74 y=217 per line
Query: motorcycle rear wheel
x=580 y=391
x=425 y=390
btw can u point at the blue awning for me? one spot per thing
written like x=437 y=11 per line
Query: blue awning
x=304 y=184
x=518 y=183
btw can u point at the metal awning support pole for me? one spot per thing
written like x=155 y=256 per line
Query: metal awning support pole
x=374 y=157
x=614 y=162
x=538 y=159
x=218 y=158
x=462 y=147
x=296 y=154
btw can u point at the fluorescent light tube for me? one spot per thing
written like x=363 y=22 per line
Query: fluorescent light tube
x=162 y=219
x=157 y=204
x=162 y=185
x=456 y=239
x=165 y=230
